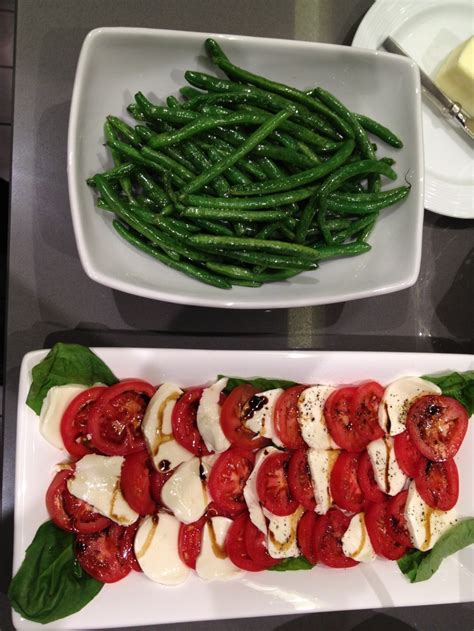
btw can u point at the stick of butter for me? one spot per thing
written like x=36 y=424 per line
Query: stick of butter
x=456 y=75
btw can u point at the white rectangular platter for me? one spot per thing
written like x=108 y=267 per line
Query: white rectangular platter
x=138 y=601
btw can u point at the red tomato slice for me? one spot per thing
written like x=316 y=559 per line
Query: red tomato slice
x=305 y=536
x=286 y=417
x=382 y=542
x=190 y=541
x=74 y=423
x=299 y=479
x=340 y=420
x=366 y=479
x=438 y=484
x=184 y=423
x=365 y=410
x=135 y=482
x=236 y=548
x=408 y=457
x=127 y=548
x=233 y=415
x=157 y=480
x=255 y=546
x=273 y=489
x=228 y=477
x=396 y=522
x=344 y=484
x=102 y=555
x=437 y=426
x=69 y=512
x=116 y=418
x=328 y=532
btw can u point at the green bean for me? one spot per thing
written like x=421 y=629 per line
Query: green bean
x=272 y=170
x=187 y=268
x=233 y=174
x=389 y=161
x=168 y=163
x=268 y=260
x=123 y=128
x=221 y=214
x=245 y=164
x=245 y=282
x=172 y=102
x=235 y=271
x=307 y=217
x=136 y=112
x=111 y=137
x=367 y=231
x=360 y=203
x=250 y=203
x=201 y=162
x=188 y=92
x=242 y=243
x=213 y=227
x=172 y=152
x=126 y=168
x=268 y=230
x=152 y=189
x=347 y=249
x=379 y=130
x=179 y=116
x=355 y=227
x=285 y=155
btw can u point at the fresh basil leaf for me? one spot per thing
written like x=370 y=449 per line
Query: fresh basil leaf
x=458 y=385
x=291 y=564
x=258 y=382
x=66 y=363
x=48 y=585
x=420 y=566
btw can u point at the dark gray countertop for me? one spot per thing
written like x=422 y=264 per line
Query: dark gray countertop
x=50 y=298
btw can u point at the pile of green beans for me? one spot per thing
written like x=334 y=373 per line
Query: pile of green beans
x=245 y=181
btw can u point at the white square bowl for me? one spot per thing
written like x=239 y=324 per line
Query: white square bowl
x=115 y=63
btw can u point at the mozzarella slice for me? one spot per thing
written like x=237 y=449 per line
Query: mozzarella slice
x=213 y=562
x=185 y=493
x=156 y=549
x=209 y=417
x=97 y=481
x=425 y=524
x=52 y=410
x=311 y=417
x=261 y=420
x=281 y=539
x=166 y=452
x=250 y=491
x=356 y=542
x=388 y=475
x=397 y=400
x=321 y=462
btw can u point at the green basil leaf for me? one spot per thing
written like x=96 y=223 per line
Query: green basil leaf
x=291 y=564
x=420 y=566
x=66 y=363
x=48 y=585
x=260 y=383
x=458 y=385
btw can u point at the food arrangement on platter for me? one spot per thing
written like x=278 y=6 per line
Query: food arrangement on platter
x=238 y=475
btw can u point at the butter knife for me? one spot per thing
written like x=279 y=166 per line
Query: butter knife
x=447 y=107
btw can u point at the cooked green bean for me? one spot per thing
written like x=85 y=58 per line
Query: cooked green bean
x=347 y=249
x=111 y=137
x=267 y=260
x=213 y=227
x=152 y=189
x=379 y=130
x=235 y=271
x=221 y=214
x=121 y=170
x=286 y=155
x=250 y=203
x=243 y=243
x=127 y=132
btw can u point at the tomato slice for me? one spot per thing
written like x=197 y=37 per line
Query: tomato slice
x=408 y=457
x=328 y=532
x=127 y=547
x=396 y=522
x=135 y=482
x=102 y=555
x=255 y=545
x=273 y=489
x=286 y=417
x=366 y=479
x=236 y=548
x=376 y=518
x=69 y=512
x=184 y=423
x=340 y=420
x=305 y=536
x=437 y=426
x=228 y=477
x=234 y=412
x=190 y=541
x=344 y=484
x=74 y=423
x=438 y=484
x=365 y=410
x=299 y=480
x=116 y=418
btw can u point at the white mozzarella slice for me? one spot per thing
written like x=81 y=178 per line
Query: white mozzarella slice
x=156 y=549
x=281 y=538
x=166 y=452
x=213 y=562
x=356 y=542
x=261 y=421
x=209 y=417
x=388 y=475
x=97 y=481
x=425 y=524
x=250 y=491
x=321 y=462
x=185 y=492
x=311 y=417
x=52 y=410
x=397 y=400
